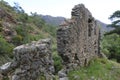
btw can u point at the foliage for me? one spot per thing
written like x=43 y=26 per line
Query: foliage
x=99 y=69
x=17 y=40
x=5 y=5
x=115 y=19
x=5 y=47
x=57 y=63
x=57 y=59
x=25 y=35
x=37 y=20
x=113 y=31
x=0 y=28
x=110 y=45
x=116 y=14
x=50 y=29
x=18 y=8
x=27 y=28
x=22 y=17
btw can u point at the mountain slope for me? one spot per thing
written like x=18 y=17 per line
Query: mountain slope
x=17 y=27
x=104 y=27
x=52 y=20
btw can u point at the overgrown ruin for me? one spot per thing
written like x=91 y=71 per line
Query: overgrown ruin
x=77 y=44
x=78 y=38
x=31 y=61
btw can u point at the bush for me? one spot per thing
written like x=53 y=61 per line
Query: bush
x=5 y=47
x=21 y=30
x=0 y=29
x=0 y=26
x=57 y=63
x=17 y=40
x=98 y=69
x=50 y=29
x=110 y=45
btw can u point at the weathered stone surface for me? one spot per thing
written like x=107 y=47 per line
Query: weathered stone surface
x=62 y=74
x=78 y=38
x=65 y=78
x=1 y=77
x=31 y=60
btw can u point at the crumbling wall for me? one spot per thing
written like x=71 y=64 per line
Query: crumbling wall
x=77 y=42
x=30 y=61
x=78 y=38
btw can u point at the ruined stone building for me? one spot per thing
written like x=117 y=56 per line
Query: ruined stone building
x=77 y=44
x=78 y=38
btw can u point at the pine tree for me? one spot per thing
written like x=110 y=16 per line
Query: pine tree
x=115 y=19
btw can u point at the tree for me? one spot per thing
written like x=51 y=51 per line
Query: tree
x=110 y=43
x=18 y=8
x=115 y=19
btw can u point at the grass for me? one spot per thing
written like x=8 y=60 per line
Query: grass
x=98 y=69
x=4 y=59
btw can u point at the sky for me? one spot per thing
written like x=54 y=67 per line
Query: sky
x=100 y=9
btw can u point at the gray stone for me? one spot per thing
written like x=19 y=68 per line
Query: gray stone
x=76 y=77
x=5 y=66
x=78 y=38
x=62 y=73
x=64 y=78
x=31 y=60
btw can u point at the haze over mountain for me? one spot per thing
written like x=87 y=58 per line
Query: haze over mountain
x=52 y=20
x=104 y=27
x=56 y=21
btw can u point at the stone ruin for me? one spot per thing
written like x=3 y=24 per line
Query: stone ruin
x=30 y=61
x=78 y=38
x=77 y=44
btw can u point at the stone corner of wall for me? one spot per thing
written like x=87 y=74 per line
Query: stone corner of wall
x=78 y=38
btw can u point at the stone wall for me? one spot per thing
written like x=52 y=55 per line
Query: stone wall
x=78 y=38
x=30 y=61
x=77 y=42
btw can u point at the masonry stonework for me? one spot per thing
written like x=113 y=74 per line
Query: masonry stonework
x=78 y=38
x=30 y=61
x=77 y=44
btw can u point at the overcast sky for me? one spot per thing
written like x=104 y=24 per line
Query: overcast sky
x=100 y=9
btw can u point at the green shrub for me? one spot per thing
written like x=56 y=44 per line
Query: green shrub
x=110 y=45
x=0 y=26
x=5 y=47
x=50 y=29
x=21 y=30
x=98 y=69
x=37 y=20
x=0 y=29
x=57 y=63
x=17 y=40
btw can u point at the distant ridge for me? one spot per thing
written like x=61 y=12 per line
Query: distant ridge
x=52 y=20
x=104 y=27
